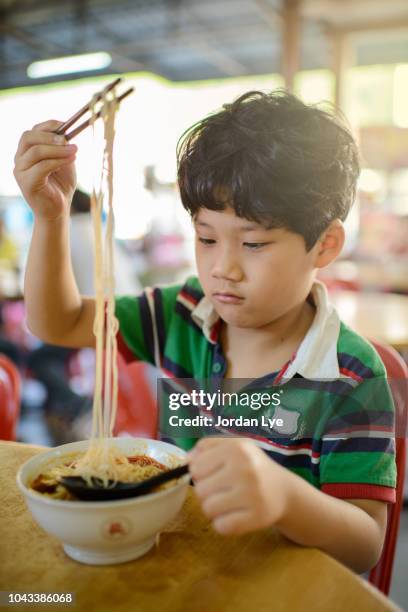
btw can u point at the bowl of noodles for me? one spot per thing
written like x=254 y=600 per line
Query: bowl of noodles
x=104 y=532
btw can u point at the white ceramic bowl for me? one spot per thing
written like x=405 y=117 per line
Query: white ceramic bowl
x=101 y=533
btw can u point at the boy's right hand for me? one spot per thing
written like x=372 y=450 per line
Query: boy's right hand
x=45 y=170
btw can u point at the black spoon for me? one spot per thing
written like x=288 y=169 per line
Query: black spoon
x=118 y=490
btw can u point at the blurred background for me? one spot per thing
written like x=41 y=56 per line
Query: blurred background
x=185 y=58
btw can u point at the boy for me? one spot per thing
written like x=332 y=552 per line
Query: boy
x=268 y=182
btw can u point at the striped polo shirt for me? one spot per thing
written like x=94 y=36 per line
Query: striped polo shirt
x=335 y=395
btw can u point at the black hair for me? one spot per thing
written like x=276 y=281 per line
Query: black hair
x=81 y=202
x=281 y=162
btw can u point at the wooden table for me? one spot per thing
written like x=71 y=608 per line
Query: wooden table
x=379 y=316
x=191 y=569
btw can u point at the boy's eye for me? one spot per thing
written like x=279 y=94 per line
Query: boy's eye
x=206 y=240
x=255 y=245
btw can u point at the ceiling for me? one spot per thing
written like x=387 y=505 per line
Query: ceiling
x=185 y=40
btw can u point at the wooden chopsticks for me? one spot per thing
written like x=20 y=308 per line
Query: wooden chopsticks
x=70 y=122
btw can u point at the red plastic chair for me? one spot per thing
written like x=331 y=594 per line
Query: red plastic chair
x=397 y=370
x=137 y=408
x=10 y=388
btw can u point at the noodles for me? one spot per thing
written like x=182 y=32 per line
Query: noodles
x=102 y=460
x=137 y=468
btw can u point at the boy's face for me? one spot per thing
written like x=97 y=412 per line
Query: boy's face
x=252 y=275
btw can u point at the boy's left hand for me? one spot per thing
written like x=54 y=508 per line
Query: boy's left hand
x=240 y=488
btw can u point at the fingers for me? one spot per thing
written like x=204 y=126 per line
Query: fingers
x=209 y=442
x=37 y=137
x=37 y=174
x=41 y=133
x=222 y=502
x=40 y=152
x=209 y=463
x=233 y=523
x=48 y=126
x=40 y=144
x=45 y=167
x=212 y=484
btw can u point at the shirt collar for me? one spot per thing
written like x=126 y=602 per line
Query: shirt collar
x=317 y=354
x=205 y=315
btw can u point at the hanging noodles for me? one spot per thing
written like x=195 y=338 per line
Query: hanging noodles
x=103 y=460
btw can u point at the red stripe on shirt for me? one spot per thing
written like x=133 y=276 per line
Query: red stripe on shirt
x=215 y=331
x=283 y=370
x=352 y=490
x=365 y=428
x=167 y=373
x=189 y=298
x=351 y=374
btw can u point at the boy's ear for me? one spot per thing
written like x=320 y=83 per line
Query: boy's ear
x=329 y=244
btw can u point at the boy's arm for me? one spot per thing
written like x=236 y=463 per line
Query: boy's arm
x=351 y=531
x=45 y=172
x=241 y=489
x=56 y=312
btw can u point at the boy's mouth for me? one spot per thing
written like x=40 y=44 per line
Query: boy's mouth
x=228 y=298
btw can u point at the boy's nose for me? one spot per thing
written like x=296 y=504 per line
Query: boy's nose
x=227 y=267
